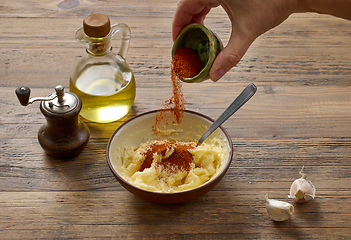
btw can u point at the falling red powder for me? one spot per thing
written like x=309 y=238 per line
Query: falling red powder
x=185 y=64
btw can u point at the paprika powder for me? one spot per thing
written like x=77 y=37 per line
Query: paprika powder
x=180 y=159
x=185 y=63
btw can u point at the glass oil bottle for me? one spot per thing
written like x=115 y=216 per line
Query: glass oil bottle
x=103 y=80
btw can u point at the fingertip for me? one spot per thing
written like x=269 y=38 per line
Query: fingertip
x=217 y=74
x=218 y=68
x=225 y=60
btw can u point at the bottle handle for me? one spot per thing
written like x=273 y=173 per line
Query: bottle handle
x=125 y=37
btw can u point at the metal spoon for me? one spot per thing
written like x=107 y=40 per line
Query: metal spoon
x=244 y=96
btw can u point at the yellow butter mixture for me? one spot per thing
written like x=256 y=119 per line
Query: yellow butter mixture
x=165 y=166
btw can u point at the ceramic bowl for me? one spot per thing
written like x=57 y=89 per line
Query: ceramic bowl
x=139 y=130
x=204 y=42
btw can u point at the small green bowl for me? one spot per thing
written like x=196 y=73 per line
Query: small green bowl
x=204 y=42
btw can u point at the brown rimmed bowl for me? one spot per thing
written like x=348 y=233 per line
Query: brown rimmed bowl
x=138 y=130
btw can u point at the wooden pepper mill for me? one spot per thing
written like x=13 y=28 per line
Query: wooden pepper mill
x=64 y=135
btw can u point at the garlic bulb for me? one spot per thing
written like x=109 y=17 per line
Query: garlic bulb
x=302 y=190
x=278 y=210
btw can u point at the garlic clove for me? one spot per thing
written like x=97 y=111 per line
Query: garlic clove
x=278 y=210
x=302 y=190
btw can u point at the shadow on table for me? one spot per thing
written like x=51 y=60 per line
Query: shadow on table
x=306 y=215
x=218 y=212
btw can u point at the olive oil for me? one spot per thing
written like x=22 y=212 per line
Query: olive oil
x=106 y=95
x=101 y=79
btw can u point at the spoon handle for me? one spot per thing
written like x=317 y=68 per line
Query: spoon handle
x=244 y=96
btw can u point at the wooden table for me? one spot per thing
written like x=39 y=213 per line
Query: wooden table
x=300 y=116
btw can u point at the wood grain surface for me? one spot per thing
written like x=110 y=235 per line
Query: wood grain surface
x=300 y=116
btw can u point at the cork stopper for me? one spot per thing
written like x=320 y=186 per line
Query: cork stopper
x=96 y=25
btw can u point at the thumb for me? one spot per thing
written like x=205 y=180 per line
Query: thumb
x=229 y=57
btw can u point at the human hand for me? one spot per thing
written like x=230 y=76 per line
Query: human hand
x=249 y=18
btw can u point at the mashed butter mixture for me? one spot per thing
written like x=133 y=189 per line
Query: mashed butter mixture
x=165 y=166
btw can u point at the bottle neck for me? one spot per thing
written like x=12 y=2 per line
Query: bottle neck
x=99 y=47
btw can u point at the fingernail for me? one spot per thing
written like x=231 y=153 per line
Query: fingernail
x=217 y=74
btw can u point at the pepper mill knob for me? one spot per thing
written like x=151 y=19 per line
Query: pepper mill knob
x=23 y=95
x=64 y=135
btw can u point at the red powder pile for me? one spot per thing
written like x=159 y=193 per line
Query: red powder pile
x=186 y=63
x=180 y=159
